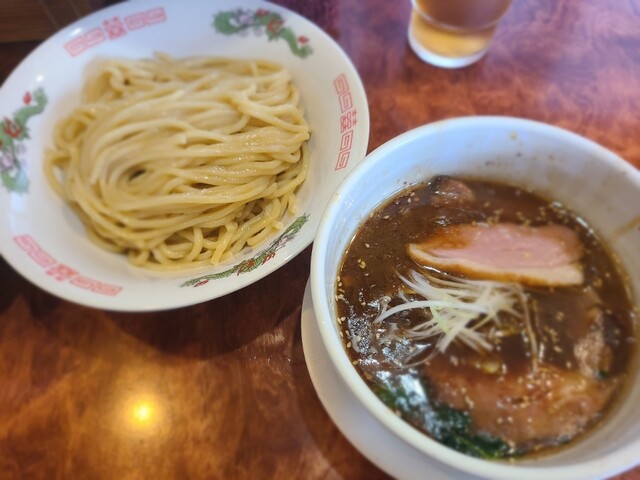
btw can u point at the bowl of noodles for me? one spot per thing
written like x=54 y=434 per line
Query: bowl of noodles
x=186 y=149
x=473 y=311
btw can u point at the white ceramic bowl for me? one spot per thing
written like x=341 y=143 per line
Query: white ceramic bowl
x=558 y=164
x=45 y=242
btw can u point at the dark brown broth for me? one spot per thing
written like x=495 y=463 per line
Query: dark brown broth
x=378 y=253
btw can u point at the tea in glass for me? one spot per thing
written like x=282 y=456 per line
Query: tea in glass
x=454 y=33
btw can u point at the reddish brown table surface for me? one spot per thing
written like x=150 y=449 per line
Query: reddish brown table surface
x=227 y=378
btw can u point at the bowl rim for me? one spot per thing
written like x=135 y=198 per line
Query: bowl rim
x=615 y=462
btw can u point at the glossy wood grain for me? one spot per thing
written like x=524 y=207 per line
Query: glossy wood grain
x=221 y=389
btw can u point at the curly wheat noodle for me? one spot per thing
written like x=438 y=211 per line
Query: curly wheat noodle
x=182 y=162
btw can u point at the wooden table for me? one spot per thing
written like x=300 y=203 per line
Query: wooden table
x=227 y=379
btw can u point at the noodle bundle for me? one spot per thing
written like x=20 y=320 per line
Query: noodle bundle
x=182 y=162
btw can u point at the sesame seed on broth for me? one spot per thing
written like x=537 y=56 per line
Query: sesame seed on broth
x=561 y=353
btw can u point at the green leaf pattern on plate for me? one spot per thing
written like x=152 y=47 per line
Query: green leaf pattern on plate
x=240 y=20
x=260 y=259
x=13 y=133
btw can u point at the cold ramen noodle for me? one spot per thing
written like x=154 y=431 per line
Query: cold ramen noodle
x=182 y=162
x=487 y=317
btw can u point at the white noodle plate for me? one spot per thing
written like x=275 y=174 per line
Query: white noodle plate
x=44 y=241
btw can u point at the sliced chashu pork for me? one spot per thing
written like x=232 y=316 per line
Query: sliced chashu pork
x=450 y=191
x=546 y=405
x=546 y=256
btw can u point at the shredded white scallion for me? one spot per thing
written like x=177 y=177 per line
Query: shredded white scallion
x=457 y=309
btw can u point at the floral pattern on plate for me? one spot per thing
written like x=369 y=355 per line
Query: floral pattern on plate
x=261 y=21
x=13 y=134
x=260 y=259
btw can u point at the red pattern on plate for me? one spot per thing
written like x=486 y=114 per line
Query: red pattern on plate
x=348 y=120
x=94 y=285
x=27 y=244
x=114 y=28
x=60 y=271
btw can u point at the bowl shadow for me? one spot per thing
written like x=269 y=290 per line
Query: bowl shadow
x=345 y=460
x=225 y=324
